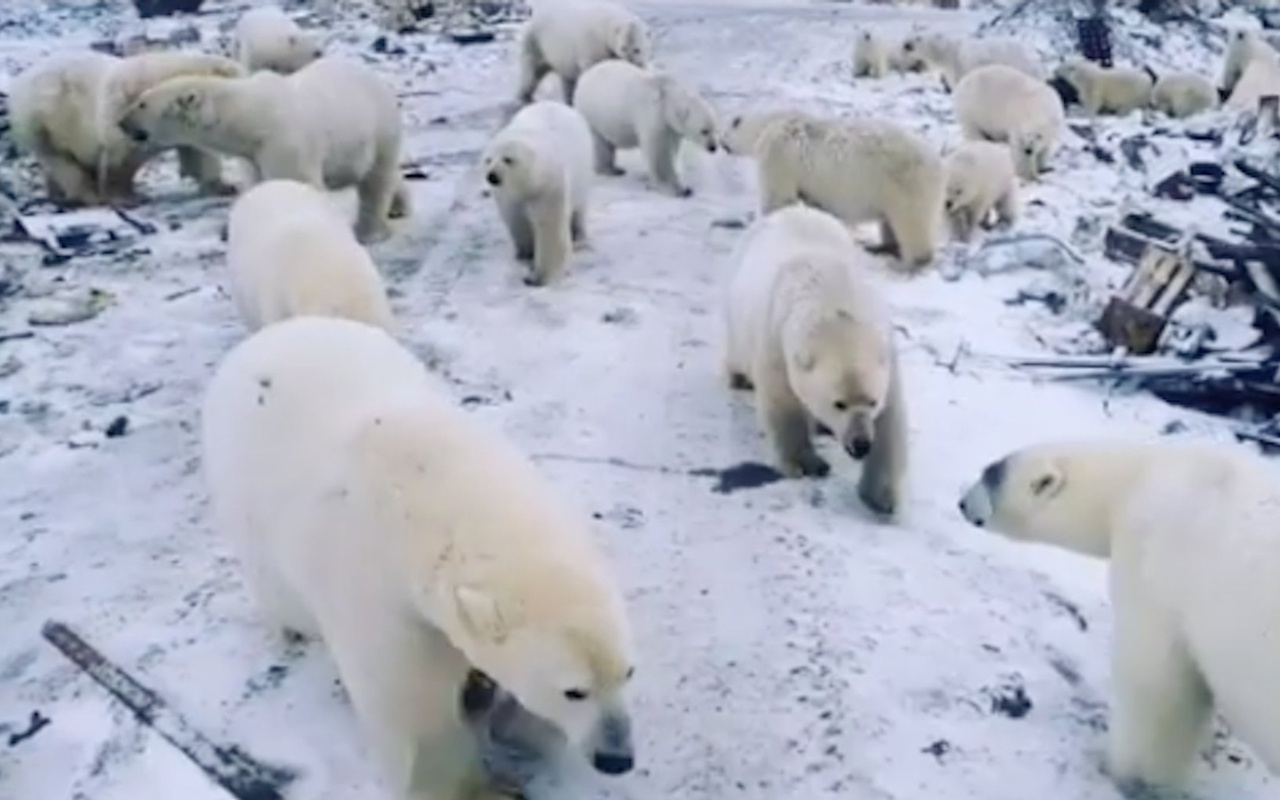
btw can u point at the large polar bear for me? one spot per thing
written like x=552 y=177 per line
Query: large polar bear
x=1184 y=94
x=742 y=135
x=539 y=168
x=870 y=55
x=1244 y=47
x=629 y=106
x=806 y=328
x=956 y=57
x=860 y=170
x=333 y=124
x=268 y=38
x=980 y=180
x=568 y=37
x=1191 y=533
x=65 y=109
x=1000 y=104
x=368 y=508
x=291 y=253
x=1107 y=90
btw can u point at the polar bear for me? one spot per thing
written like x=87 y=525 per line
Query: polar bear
x=807 y=329
x=628 y=106
x=1261 y=78
x=1107 y=90
x=368 y=508
x=1000 y=104
x=956 y=57
x=332 y=124
x=741 y=136
x=1244 y=46
x=1183 y=94
x=567 y=37
x=291 y=253
x=539 y=168
x=64 y=110
x=1191 y=536
x=870 y=55
x=267 y=38
x=980 y=179
x=860 y=170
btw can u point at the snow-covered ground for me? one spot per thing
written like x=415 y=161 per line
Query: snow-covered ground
x=792 y=647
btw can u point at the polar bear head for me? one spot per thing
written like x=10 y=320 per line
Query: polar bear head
x=510 y=166
x=839 y=367
x=687 y=113
x=299 y=50
x=165 y=115
x=562 y=649
x=630 y=42
x=1029 y=149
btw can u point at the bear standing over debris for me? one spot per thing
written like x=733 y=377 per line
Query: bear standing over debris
x=860 y=170
x=539 y=168
x=980 y=180
x=569 y=36
x=290 y=252
x=369 y=508
x=629 y=106
x=870 y=55
x=1183 y=94
x=332 y=124
x=1244 y=47
x=1000 y=104
x=267 y=38
x=1108 y=90
x=65 y=110
x=807 y=330
x=1190 y=532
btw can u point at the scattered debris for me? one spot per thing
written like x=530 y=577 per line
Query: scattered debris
x=1010 y=699
x=118 y=427
x=36 y=724
x=88 y=231
x=1135 y=318
x=163 y=8
x=237 y=772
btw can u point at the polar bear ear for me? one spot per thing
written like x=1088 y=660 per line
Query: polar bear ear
x=1048 y=483
x=480 y=614
x=804 y=358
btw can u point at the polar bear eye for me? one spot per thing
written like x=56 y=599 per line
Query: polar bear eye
x=630 y=671
x=840 y=405
x=506 y=160
x=575 y=694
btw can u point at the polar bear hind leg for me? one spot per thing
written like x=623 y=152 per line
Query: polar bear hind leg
x=278 y=603
x=660 y=146
x=606 y=156
x=1162 y=705
x=401 y=201
x=881 y=484
x=375 y=194
x=204 y=168
x=68 y=181
x=578 y=225
x=1006 y=208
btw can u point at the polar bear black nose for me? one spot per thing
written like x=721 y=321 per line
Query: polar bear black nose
x=858 y=448
x=492 y=179
x=612 y=763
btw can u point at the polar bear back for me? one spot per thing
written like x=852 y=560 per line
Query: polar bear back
x=561 y=137
x=291 y=253
x=616 y=98
x=997 y=101
x=57 y=101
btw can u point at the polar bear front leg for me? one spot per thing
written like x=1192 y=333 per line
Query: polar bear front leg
x=204 y=168
x=552 y=239
x=787 y=425
x=884 y=472
x=533 y=68
x=1162 y=705
x=68 y=181
x=660 y=145
x=516 y=219
x=1007 y=209
x=962 y=223
x=606 y=156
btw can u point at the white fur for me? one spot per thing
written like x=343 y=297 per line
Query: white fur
x=65 y=110
x=629 y=106
x=807 y=329
x=1244 y=47
x=1107 y=90
x=1194 y=548
x=333 y=124
x=567 y=37
x=267 y=38
x=291 y=253
x=1000 y=104
x=1182 y=95
x=860 y=170
x=1261 y=77
x=741 y=135
x=542 y=164
x=980 y=180
x=956 y=57
x=870 y=55
x=366 y=506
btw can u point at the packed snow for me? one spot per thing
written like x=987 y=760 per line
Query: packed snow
x=791 y=645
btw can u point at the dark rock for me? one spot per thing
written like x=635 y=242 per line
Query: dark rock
x=165 y=8
x=118 y=427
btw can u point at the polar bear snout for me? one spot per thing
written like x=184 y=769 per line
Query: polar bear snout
x=858 y=447
x=975 y=505
x=493 y=179
x=610 y=745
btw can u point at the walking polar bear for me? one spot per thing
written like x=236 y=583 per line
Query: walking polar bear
x=980 y=180
x=333 y=124
x=956 y=57
x=539 y=168
x=807 y=330
x=1190 y=532
x=267 y=38
x=64 y=110
x=369 y=509
x=1244 y=48
x=568 y=37
x=1108 y=90
x=628 y=106
x=1184 y=94
x=860 y=170
x=1000 y=104
x=290 y=253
